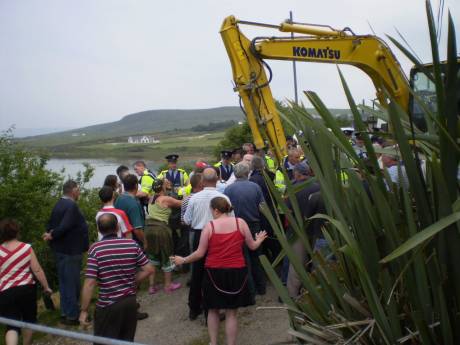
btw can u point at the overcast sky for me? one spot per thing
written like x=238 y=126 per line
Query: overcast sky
x=73 y=63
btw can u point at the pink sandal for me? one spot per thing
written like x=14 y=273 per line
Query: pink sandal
x=173 y=287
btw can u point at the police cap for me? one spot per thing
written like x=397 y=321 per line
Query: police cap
x=226 y=154
x=347 y=130
x=172 y=158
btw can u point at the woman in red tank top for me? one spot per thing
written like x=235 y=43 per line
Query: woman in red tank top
x=225 y=282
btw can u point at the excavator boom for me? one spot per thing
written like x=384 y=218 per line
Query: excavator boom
x=318 y=44
x=368 y=53
x=252 y=84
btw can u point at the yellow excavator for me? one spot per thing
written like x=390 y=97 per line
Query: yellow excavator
x=318 y=43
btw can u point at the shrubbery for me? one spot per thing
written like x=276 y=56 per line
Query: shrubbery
x=234 y=137
x=29 y=191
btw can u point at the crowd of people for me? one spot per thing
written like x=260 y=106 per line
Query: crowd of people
x=209 y=222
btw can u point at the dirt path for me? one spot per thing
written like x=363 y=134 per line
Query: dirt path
x=168 y=323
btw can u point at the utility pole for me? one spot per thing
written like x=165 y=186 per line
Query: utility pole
x=294 y=67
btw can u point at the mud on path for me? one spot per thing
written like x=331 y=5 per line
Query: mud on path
x=168 y=322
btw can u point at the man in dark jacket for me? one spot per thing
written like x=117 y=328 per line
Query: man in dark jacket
x=67 y=233
x=246 y=198
x=271 y=246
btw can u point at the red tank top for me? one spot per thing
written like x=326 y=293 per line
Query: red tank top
x=225 y=250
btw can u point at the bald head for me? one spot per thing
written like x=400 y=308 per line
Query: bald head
x=209 y=177
x=247 y=158
x=107 y=224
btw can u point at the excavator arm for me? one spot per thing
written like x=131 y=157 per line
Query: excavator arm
x=252 y=84
x=318 y=44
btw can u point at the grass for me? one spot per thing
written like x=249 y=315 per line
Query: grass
x=190 y=145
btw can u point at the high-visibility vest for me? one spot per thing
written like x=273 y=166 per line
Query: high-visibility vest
x=270 y=163
x=225 y=172
x=279 y=181
x=146 y=181
x=344 y=177
x=178 y=178
x=184 y=191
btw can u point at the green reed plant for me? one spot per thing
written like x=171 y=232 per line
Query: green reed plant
x=396 y=277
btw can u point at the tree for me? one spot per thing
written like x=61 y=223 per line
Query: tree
x=234 y=137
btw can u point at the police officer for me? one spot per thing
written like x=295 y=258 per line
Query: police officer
x=178 y=177
x=291 y=143
x=225 y=166
x=359 y=145
x=270 y=162
x=348 y=132
x=146 y=179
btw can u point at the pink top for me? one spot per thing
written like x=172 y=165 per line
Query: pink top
x=226 y=240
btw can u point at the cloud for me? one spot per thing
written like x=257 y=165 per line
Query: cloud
x=76 y=63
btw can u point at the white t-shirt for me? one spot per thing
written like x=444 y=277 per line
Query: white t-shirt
x=124 y=226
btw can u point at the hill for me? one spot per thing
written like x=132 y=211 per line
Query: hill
x=177 y=130
x=146 y=122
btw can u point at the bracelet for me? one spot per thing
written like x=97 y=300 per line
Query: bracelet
x=184 y=261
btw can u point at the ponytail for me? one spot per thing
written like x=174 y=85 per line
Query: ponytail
x=221 y=204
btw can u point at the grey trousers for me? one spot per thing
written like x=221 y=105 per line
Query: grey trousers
x=293 y=282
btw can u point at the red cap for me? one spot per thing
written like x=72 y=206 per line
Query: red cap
x=201 y=165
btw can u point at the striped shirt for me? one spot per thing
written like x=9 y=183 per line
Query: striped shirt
x=15 y=267
x=113 y=262
x=198 y=212
x=124 y=226
x=184 y=206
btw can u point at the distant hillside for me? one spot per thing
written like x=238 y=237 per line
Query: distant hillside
x=151 y=121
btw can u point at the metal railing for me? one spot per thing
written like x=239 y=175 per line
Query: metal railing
x=65 y=333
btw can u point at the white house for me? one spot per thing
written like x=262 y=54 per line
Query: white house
x=142 y=140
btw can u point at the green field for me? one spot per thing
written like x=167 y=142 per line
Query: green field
x=189 y=145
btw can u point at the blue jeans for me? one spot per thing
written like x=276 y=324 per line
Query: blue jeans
x=68 y=270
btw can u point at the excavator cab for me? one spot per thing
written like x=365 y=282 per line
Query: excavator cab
x=424 y=88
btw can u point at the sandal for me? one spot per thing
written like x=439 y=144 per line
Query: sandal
x=173 y=287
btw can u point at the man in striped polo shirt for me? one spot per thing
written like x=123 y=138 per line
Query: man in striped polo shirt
x=116 y=265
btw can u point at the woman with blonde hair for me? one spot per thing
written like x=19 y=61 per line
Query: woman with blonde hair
x=225 y=283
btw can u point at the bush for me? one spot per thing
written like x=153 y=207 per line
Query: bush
x=29 y=191
x=234 y=137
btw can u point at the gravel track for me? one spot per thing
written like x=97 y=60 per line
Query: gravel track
x=168 y=323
